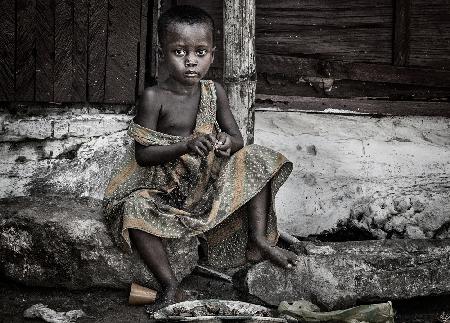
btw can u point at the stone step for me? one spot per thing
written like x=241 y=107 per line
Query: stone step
x=56 y=241
x=338 y=275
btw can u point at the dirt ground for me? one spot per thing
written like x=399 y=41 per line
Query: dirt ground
x=106 y=305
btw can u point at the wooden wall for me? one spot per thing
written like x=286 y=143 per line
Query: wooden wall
x=377 y=49
x=72 y=50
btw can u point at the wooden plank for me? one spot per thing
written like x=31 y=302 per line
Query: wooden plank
x=25 y=50
x=97 y=41
x=400 y=46
x=45 y=49
x=122 y=51
x=239 y=63
x=372 y=107
x=293 y=67
x=7 y=56
x=79 y=50
x=63 y=50
x=430 y=34
x=336 y=30
x=269 y=84
x=142 y=47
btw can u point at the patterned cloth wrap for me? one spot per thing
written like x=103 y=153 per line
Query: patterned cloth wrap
x=194 y=195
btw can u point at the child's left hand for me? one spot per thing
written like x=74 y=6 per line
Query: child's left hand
x=223 y=145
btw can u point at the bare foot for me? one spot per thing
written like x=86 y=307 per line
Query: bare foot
x=280 y=257
x=165 y=297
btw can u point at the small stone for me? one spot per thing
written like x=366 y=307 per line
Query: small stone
x=402 y=204
x=414 y=232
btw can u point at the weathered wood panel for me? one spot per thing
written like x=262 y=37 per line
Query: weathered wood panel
x=79 y=50
x=45 y=49
x=142 y=46
x=337 y=30
x=97 y=41
x=330 y=88
x=151 y=68
x=430 y=34
x=373 y=107
x=400 y=55
x=63 y=50
x=25 y=50
x=7 y=48
x=313 y=77
x=293 y=67
x=122 y=51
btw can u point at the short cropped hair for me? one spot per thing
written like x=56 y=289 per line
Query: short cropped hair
x=185 y=15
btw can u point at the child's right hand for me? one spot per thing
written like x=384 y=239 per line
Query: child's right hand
x=201 y=145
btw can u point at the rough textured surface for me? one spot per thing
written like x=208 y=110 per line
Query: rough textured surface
x=62 y=242
x=239 y=68
x=59 y=154
x=338 y=275
x=389 y=175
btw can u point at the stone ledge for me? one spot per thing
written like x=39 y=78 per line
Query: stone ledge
x=55 y=241
x=343 y=274
x=15 y=129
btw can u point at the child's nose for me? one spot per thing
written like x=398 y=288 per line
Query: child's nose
x=191 y=60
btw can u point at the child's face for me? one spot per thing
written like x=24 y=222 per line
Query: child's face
x=188 y=52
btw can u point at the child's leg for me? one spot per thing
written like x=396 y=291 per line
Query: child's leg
x=154 y=255
x=258 y=209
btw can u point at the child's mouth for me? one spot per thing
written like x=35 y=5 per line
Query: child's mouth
x=191 y=74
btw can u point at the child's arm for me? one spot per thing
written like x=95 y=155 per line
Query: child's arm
x=227 y=124
x=147 y=116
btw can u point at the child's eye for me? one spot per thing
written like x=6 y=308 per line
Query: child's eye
x=201 y=52
x=180 y=52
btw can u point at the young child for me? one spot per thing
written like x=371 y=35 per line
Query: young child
x=188 y=172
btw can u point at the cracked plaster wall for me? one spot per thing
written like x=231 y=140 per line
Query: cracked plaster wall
x=59 y=154
x=388 y=176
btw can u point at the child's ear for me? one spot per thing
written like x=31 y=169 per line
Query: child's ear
x=160 y=53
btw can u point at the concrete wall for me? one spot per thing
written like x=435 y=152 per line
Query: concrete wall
x=391 y=174
x=69 y=154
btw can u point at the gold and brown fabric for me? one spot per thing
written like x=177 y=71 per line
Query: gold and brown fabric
x=194 y=195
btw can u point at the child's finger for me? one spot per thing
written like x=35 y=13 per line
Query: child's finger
x=203 y=147
x=199 y=152
x=223 y=153
x=206 y=143
x=212 y=139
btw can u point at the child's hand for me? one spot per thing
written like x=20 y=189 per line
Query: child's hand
x=201 y=145
x=222 y=145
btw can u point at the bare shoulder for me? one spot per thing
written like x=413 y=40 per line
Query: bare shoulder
x=149 y=107
x=224 y=115
x=220 y=91
x=222 y=99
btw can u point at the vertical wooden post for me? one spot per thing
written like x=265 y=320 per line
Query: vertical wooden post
x=239 y=62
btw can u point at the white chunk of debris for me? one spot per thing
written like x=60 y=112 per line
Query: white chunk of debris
x=47 y=314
